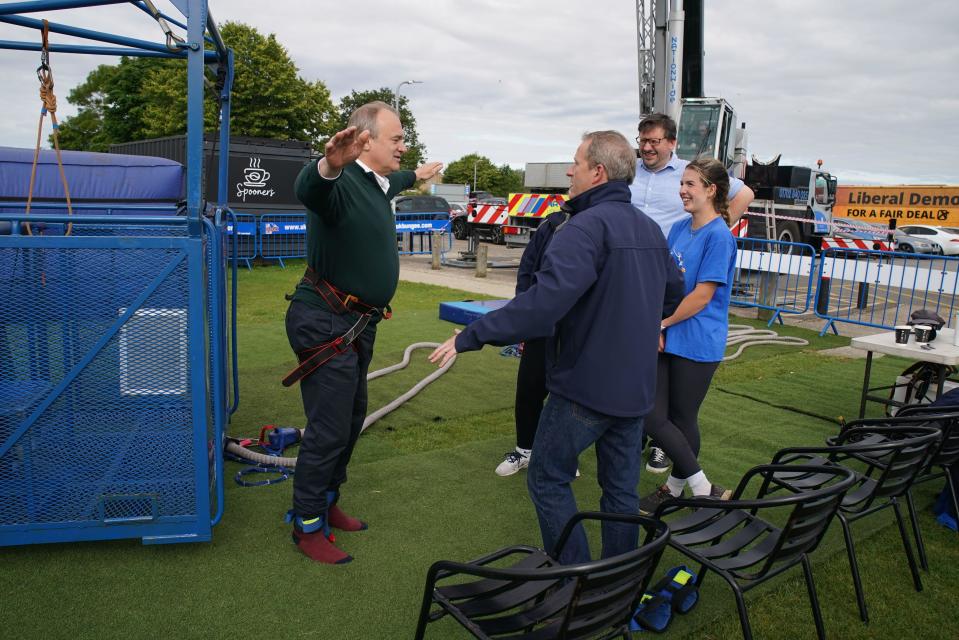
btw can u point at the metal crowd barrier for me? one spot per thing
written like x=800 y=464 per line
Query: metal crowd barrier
x=282 y=236
x=414 y=232
x=882 y=288
x=773 y=275
x=245 y=238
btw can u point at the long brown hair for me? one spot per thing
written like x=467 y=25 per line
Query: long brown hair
x=712 y=172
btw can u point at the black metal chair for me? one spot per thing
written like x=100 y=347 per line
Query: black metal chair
x=886 y=461
x=944 y=455
x=733 y=540
x=535 y=598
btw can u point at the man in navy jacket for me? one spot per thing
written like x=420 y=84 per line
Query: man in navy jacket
x=605 y=283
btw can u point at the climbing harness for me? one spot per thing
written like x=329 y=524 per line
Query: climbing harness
x=49 y=105
x=339 y=302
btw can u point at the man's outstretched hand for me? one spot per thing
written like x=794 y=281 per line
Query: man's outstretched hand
x=428 y=170
x=342 y=149
x=445 y=352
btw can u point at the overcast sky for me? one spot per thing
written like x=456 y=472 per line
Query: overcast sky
x=871 y=87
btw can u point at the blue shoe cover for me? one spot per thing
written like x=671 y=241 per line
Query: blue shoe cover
x=314 y=525
x=654 y=613
x=947 y=521
x=682 y=588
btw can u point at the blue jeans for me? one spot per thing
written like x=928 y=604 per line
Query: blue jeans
x=565 y=430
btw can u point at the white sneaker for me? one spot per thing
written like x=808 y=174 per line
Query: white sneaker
x=512 y=462
x=658 y=462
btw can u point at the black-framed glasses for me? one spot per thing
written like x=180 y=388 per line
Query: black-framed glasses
x=644 y=141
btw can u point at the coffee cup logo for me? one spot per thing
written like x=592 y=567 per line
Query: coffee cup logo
x=254 y=176
x=254 y=182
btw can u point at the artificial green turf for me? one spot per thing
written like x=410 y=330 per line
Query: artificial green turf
x=423 y=478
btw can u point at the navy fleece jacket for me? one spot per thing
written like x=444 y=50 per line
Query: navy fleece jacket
x=605 y=284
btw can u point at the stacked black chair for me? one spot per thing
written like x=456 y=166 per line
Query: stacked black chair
x=886 y=461
x=536 y=598
x=945 y=456
x=739 y=541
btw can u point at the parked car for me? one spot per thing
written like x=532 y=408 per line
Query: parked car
x=902 y=241
x=946 y=237
x=425 y=207
x=458 y=220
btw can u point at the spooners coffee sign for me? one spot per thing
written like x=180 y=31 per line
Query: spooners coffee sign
x=255 y=182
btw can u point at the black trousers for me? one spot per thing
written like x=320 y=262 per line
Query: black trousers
x=530 y=391
x=334 y=401
x=681 y=386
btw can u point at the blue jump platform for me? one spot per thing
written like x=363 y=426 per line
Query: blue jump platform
x=464 y=312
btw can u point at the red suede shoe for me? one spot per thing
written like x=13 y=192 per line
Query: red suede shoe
x=319 y=548
x=340 y=520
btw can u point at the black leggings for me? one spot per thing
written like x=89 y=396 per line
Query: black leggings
x=681 y=386
x=530 y=391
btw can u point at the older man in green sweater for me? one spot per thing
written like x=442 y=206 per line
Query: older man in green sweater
x=352 y=273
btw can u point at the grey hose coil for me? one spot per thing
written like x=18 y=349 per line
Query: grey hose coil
x=275 y=461
x=745 y=336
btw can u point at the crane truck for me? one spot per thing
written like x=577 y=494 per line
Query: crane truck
x=793 y=203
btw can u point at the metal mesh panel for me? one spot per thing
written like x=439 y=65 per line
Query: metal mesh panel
x=881 y=288
x=283 y=236
x=115 y=444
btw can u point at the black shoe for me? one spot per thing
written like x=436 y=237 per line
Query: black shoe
x=658 y=462
x=718 y=493
x=649 y=504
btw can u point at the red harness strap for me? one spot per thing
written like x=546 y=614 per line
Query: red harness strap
x=339 y=301
x=315 y=357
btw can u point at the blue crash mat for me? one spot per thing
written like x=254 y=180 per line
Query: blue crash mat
x=466 y=311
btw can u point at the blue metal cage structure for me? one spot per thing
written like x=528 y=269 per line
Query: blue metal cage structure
x=115 y=353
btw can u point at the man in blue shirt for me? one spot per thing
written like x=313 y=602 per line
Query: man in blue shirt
x=655 y=191
x=656 y=187
x=599 y=297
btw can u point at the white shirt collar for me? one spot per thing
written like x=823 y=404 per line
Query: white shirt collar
x=380 y=180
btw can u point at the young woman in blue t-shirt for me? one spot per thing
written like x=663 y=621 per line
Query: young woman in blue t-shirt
x=693 y=340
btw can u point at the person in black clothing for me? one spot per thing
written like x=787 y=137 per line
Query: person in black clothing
x=531 y=376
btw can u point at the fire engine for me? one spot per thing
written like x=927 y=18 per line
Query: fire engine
x=511 y=223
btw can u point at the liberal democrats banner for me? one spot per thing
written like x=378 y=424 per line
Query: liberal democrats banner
x=921 y=204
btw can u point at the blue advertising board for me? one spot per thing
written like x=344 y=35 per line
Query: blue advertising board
x=421 y=226
x=282 y=228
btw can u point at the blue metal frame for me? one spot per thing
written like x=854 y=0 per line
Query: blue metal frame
x=199 y=247
x=784 y=259
x=864 y=269
x=282 y=223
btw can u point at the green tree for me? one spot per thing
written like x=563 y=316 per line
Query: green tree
x=146 y=97
x=463 y=171
x=500 y=181
x=110 y=108
x=509 y=180
x=415 y=150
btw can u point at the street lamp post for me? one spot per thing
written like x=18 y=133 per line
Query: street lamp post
x=396 y=94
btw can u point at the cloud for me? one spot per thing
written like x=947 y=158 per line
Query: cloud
x=870 y=88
